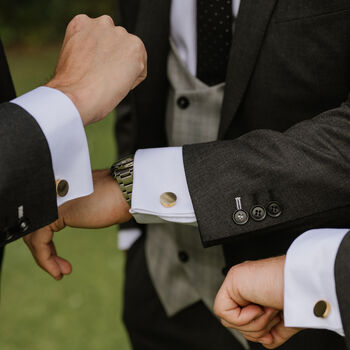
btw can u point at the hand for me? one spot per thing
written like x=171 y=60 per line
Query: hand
x=105 y=207
x=251 y=299
x=99 y=64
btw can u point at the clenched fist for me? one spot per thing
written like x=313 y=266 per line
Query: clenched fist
x=251 y=300
x=99 y=64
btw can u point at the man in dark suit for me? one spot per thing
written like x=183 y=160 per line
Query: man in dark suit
x=274 y=100
x=285 y=105
x=44 y=159
x=313 y=292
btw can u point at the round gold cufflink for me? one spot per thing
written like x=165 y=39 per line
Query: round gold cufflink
x=322 y=309
x=168 y=199
x=62 y=188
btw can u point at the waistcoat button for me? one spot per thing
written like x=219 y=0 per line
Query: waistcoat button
x=183 y=102
x=183 y=256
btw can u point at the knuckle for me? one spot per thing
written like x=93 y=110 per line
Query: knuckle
x=218 y=311
x=224 y=323
x=121 y=30
x=105 y=19
x=137 y=44
x=77 y=23
x=232 y=271
x=220 y=314
x=142 y=66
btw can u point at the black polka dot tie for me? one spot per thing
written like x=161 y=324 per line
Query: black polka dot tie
x=214 y=36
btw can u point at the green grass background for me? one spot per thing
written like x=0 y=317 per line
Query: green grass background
x=83 y=311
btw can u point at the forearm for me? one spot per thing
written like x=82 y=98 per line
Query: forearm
x=105 y=207
x=304 y=169
x=284 y=176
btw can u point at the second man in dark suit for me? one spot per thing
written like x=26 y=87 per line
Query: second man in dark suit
x=264 y=116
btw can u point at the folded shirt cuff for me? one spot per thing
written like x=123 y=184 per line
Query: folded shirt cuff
x=61 y=124
x=309 y=278
x=157 y=171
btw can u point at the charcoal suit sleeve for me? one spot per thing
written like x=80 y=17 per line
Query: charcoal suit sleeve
x=342 y=278
x=284 y=182
x=27 y=183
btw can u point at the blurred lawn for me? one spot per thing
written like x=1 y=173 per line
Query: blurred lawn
x=83 y=311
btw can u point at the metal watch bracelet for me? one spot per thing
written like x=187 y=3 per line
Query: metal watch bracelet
x=122 y=172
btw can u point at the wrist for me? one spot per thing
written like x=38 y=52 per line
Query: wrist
x=123 y=173
x=261 y=281
x=275 y=281
x=112 y=196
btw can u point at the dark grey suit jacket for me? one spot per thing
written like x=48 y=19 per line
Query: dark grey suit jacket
x=342 y=279
x=285 y=123
x=26 y=174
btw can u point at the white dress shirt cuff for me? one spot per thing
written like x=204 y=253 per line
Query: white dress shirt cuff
x=156 y=171
x=309 y=277
x=62 y=126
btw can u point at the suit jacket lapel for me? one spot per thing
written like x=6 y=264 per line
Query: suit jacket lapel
x=251 y=25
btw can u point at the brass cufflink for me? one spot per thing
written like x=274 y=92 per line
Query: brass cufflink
x=62 y=188
x=322 y=309
x=168 y=199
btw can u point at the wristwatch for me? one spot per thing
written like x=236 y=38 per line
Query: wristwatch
x=122 y=171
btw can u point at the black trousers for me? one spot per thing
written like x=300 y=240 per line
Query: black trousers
x=194 y=328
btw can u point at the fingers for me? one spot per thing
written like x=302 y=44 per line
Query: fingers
x=247 y=318
x=278 y=336
x=253 y=321
x=258 y=324
x=258 y=327
x=275 y=337
x=98 y=66
x=228 y=308
x=44 y=252
x=42 y=249
x=141 y=55
x=104 y=20
x=76 y=24
x=258 y=335
x=80 y=22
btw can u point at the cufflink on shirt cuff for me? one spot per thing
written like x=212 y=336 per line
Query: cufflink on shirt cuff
x=168 y=199
x=62 y=188
x=322 y=309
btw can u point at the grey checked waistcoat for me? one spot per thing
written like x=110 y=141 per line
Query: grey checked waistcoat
x=181 y=284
